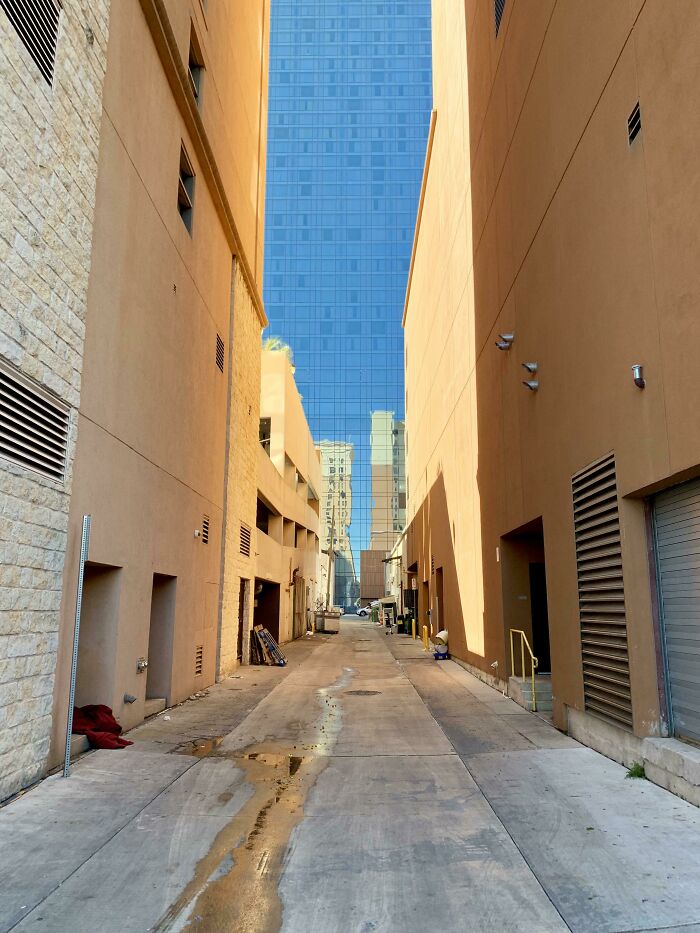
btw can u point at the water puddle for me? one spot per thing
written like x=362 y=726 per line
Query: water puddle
x=235 y=886
x=200 y=748
x=292 y=762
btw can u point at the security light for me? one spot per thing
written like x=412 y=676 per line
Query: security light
x=638 y=375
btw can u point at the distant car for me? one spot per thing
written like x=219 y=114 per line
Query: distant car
x=364 y=610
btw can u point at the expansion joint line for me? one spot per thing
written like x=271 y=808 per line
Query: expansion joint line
x=490 y=805
x=105 y=843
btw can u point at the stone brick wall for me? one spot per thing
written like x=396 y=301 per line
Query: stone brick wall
x=49 y=138
x=241 y=476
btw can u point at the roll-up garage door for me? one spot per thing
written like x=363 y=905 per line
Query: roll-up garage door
x=677 y=522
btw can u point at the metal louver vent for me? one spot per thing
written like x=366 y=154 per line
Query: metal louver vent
x=606 y=679
x=33 y=425
x=198 y=660
x=634 y=123
x=245 y=540
x=36 y=23
x=205 y=529
x=499 y=7
x=219 y=353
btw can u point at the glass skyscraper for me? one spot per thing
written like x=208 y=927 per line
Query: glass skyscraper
x=349 y=108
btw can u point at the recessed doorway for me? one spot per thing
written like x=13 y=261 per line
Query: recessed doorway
x=97 y=644
x=267 y=606
x=524 y=582
x=160 y=638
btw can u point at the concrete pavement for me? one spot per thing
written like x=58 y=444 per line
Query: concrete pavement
x=362 y=788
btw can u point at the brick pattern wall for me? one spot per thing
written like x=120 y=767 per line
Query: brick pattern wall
x=49 y=138
x=241 y=479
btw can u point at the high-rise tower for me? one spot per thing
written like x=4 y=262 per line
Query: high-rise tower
x=349 y=109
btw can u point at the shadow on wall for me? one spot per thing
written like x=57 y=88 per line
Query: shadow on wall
x=431 y=548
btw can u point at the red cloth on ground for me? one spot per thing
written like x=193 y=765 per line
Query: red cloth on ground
x=99 y=725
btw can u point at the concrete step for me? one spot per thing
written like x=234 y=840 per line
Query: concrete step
x=78 y=746
x=152 y=706
x=521 y=692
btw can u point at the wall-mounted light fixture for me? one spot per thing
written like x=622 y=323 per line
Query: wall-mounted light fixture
x=638 y=375
x=531 y=384
x=505 y=341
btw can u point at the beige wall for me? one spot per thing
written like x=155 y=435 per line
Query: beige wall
x=539 y=218
x=241 y=466
x=49 y=140
x=293 y=504
x=162 y=430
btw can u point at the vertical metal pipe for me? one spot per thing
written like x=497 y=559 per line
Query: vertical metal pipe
x=522 y=658
x=512 y=655
x=84 y=548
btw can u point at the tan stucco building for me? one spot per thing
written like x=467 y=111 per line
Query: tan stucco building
x=558 y=229
x=287 y=548
x=166 y=455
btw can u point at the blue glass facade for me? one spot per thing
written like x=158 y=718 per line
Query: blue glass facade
x=349 y=108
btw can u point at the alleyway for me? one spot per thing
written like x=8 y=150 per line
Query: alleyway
x=363 y=788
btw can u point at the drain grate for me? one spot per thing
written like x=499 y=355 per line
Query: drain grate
x=363 y=693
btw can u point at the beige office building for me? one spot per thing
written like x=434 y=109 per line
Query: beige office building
x=336 y=515
x=167 y=429
x=552 y=484
x=287 y=548
x=388 y=504
x=388 y=465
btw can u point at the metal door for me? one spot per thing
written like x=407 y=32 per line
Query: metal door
x=677 y=526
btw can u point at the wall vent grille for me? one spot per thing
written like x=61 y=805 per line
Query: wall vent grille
x=634 y=123
x=606 y=677
x=33 y=425
x=499 y=7
x=245 y=540
x=36 y=23
x=198 y=660
x=205 y=529
x=219 y=353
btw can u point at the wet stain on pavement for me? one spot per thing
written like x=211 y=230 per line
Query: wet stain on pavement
x=199 y=748
x=235 y=886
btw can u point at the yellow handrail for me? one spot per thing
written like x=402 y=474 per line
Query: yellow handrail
x=524 y=643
